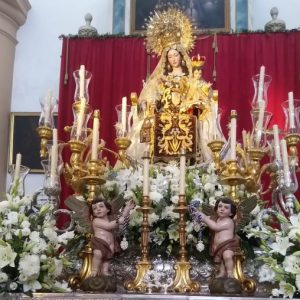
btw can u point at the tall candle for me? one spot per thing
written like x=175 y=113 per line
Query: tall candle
x=260 y=121
x=146 y=175
x=47 y=107
x=95 y=140
x=53 y=165
x=81 y=81
x=80 y=118
x=244 y=137
x=233 y=135
x=123 y=114
x=182 y=173
x=285 y=162
x=276 y=143
x=291 y=110
x=261 y=83
x=54 y=138
x=18 y=166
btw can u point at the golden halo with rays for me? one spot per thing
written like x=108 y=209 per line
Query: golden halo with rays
x=167 y=28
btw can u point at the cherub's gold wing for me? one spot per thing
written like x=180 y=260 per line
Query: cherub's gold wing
x=244 y=209
x=81 y=212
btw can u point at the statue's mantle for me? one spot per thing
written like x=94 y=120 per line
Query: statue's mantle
x=73 y=296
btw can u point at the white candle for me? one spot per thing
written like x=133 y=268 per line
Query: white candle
x=233 y=135
x=123 y=114
x=47 y=107
x=18 y=166
x=291 y=110
x=276 y=143
x=182 y=173
x=95 y=140
x=146 y=175
x=261 y=83
x=53 y=165
x=260 y=121
x=244 y=137
x=81 y=81
x=285 y=161
x=54 y=138
x=80 y=118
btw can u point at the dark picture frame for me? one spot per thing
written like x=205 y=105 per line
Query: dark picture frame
x=24 y=139
x=206 y=15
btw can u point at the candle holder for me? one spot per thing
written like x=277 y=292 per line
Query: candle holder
x=266 y=84
x=292 y=140
x=232 y=176
x=144 y=265
x=182 y=282
x=45 y=134
x=216 y=146
x=122 y=144
x=16 y=186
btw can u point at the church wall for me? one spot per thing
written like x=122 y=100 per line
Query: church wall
x=37 y=60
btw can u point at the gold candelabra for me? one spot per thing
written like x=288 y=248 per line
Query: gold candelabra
x=144 y=265
x=182 y=282
x=45 y=134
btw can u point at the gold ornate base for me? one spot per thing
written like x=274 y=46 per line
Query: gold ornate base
x=182 y=282
x=138 y=284
x=248 y=284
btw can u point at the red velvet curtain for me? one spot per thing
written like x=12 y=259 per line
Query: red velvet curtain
x=119 y=65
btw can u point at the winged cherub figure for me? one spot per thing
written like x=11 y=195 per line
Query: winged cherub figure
x=98 y=219
x=220 y=219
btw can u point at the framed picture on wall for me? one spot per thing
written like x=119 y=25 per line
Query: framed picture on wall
x=206 y=15
x=24 y=139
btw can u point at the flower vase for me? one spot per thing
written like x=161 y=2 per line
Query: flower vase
x=267 y=81
x=291 y=125
x=48 y=105
x=17 y=187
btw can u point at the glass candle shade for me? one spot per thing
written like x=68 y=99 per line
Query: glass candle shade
x=16 y=187
x=86 y=80
x=48 y=105
x=258 y=136
x=122 y=125
x=292 y=124
x=255 y=80
x=81 y=117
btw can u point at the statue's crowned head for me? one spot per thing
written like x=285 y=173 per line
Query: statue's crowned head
x=168 y=28
x=198 y=61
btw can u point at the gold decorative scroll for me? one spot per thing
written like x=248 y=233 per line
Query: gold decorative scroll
x=174 y=131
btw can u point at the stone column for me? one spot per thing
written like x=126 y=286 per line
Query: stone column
x=13 y=14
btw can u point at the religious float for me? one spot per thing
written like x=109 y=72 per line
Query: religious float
x=183 y=203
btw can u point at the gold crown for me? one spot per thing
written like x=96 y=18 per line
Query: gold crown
x=167 y=28
x=198 y=61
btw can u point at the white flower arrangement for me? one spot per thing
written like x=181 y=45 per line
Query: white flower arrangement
x=280 y=255
x=202 y=184
x=31 y=256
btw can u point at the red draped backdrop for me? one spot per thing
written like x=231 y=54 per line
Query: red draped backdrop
x=119 y=65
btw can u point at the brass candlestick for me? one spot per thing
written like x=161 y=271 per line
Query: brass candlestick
x=182 y=282
x=216 y=147
x=144 y=264
x=45 y=133
x=232 y=176
x=292 y=140
x=122 y=144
